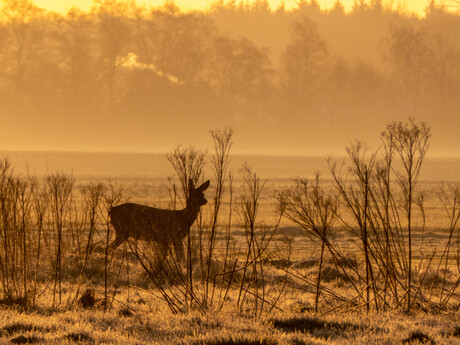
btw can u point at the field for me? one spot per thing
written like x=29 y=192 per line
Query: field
x=257 y=271
x=152 y=324
x=152 y=223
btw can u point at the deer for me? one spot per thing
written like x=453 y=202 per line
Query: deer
x=162 y=226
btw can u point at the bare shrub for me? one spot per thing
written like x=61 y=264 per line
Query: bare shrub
x=449 y=195
x=188 y=164
x=307 y=205
x=112 y=195
x=16 y=241
x=92 y=194
x=59 y=192
x=410 y=141
x=356 y=196
x=258 y=237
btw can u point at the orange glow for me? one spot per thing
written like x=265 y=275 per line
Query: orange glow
x=416 y=6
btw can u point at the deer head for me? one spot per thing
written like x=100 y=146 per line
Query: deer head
x=196 y=195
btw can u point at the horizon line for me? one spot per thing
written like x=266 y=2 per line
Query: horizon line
x=436 y=154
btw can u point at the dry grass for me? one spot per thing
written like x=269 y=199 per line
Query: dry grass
x=269 y=300
x=138 y=317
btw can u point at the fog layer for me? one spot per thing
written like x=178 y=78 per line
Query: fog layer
x=305 y=81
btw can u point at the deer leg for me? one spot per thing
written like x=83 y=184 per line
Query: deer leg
x=179 y=250
x=162 y=249
x=116 y=243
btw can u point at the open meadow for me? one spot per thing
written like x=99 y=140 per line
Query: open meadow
x=286 y=250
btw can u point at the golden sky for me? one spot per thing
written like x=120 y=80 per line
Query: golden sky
x=63 y=6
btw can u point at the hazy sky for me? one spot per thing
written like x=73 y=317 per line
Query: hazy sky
x=63 y=5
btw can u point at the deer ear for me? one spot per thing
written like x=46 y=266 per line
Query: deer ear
x=204 y=186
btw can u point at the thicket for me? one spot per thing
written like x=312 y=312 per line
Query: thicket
x=50 y=235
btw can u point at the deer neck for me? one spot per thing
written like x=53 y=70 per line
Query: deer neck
x=191 y=211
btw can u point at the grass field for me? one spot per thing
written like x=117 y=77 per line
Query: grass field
x=150 y=322
x=138 y=314
x=367 y=255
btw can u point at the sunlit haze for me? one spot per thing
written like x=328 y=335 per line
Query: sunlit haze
x=184 y=171
x=306 y=80
x=416 y=6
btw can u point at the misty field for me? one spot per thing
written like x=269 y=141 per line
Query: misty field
x=200 y=245
x=365 y=252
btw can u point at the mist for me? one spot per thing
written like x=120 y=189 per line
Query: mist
x=128 y=78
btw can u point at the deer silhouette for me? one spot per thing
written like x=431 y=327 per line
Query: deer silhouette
x=150 y=224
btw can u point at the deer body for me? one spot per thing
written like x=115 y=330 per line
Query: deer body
x=150 y=224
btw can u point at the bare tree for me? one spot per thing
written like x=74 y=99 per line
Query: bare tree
x=177 y=43
x=114 y=33
x=240 y=72
x=76 y=51
x=302 y=60
x=25 y=42
x=407 y=53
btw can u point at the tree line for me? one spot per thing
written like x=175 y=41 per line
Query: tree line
x=244 y=65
